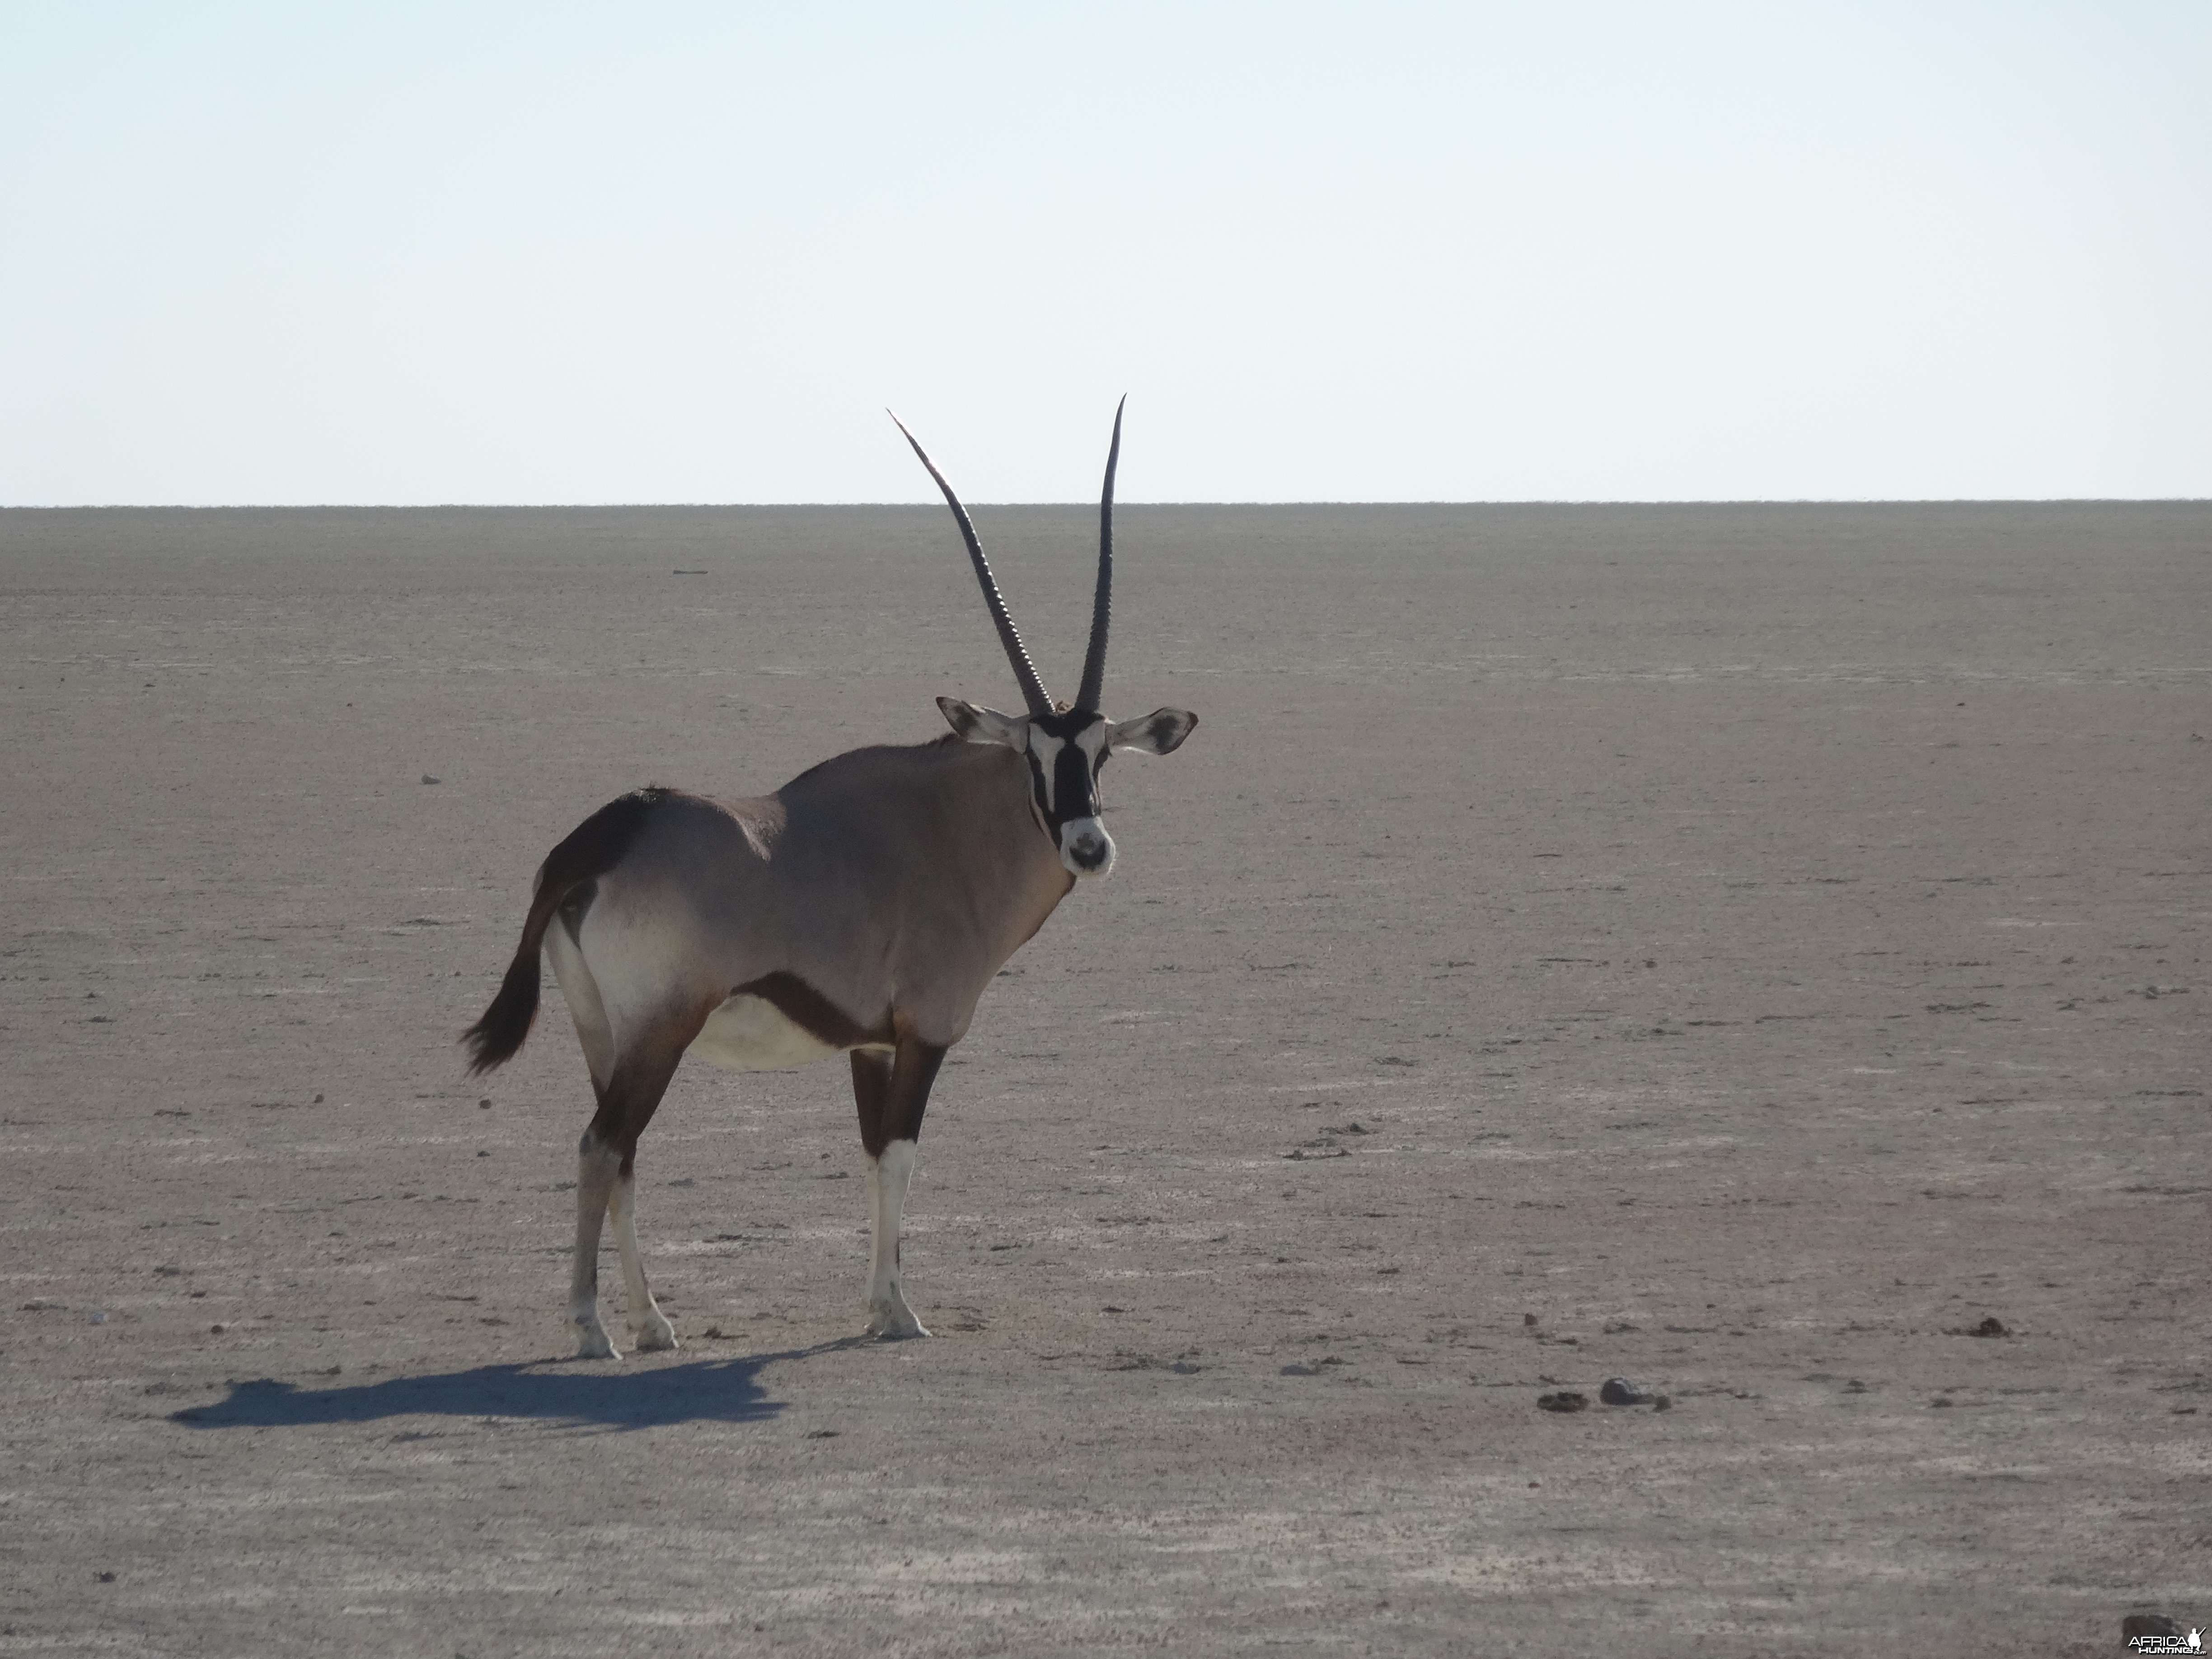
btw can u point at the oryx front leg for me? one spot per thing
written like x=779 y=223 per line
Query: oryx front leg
x=597 y=1169
x=888 y=1177
x=892 y=1091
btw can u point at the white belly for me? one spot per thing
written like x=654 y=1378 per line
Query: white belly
x=750 y=1034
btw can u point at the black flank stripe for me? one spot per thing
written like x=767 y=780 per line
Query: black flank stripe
x=813 y=1012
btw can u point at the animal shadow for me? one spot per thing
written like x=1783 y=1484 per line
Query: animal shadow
x=553 y=1391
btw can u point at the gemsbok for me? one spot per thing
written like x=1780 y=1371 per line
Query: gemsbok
x=863 y=907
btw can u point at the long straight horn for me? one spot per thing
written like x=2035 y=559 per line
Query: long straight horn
x=1102 y=604
x=1033 y=691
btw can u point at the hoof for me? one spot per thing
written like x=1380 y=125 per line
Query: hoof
x=894 y=1324
x=658 y=1339
x=594 y=1344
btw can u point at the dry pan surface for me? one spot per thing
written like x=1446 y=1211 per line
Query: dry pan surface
x=1740 y=950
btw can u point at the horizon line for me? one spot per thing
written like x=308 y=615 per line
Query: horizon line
x=1533 y=501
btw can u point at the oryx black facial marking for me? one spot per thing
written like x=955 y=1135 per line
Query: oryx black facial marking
x=1066 y=753
x=864 y=907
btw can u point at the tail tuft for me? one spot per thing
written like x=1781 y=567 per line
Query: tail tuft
x=495 y=1039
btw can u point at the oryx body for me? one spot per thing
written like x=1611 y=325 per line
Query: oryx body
x=863 y=907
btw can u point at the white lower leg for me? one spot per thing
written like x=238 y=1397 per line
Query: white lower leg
x=888 y=1177
x=596 y=1167
x=645 y=1320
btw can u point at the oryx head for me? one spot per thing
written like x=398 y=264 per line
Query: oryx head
x=1064 y=744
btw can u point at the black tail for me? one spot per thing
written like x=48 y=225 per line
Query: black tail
x=593 y=849
x=495 y=1039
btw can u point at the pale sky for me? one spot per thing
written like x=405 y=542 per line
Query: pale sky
x=546 y=253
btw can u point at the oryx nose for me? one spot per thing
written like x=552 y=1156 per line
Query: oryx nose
x=1085 y=847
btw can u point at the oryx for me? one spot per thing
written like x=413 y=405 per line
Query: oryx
x=863 y=907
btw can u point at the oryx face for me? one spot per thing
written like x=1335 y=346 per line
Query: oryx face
x=1065 y=744
x=1065 y=753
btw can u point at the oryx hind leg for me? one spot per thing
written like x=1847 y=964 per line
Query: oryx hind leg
x=648 y=1323
x=596 y=1168
x=606 y=1183
x=892 y=1091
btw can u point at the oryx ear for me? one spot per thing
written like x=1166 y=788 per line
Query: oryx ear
x=1160 y=732
x=985 y=725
